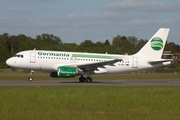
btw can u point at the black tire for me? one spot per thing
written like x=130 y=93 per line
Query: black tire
x=82 y=79
x=89 y=79
x=30 y=79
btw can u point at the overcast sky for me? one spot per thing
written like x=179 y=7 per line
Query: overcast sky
x=96 y=20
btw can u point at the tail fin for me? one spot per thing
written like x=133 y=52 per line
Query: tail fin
x=155 y=46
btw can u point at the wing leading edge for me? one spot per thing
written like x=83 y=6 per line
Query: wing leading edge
x=95 y=66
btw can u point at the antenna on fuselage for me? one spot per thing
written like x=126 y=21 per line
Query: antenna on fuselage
x=34 y=48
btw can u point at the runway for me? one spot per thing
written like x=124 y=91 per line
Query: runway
x=94 y=83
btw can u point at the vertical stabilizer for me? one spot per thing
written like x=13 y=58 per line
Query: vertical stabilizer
x=155 y=46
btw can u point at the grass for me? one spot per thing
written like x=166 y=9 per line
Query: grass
x=90 y=103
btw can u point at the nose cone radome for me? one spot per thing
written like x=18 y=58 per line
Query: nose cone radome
x=9 y=62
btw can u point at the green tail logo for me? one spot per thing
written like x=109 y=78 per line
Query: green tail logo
x=157 y=43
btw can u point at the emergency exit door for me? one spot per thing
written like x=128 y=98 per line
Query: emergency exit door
x=134 y=62
x=32 y=57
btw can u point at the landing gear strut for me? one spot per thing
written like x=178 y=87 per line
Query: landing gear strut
x=83 y=79
x=31 y=76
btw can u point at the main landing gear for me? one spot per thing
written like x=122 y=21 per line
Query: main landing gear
x=83 y=79
x=31 y=76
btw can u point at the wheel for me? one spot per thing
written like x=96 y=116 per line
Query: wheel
x=30 y=79
x=82 y=79
x=88 y=79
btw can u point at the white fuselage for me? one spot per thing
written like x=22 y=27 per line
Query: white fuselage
x=51 y=60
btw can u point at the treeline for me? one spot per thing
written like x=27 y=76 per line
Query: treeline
x=11 y=44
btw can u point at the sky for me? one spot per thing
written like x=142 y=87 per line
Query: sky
x=75 y=21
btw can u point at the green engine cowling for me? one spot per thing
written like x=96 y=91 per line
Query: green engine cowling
x=64 y=72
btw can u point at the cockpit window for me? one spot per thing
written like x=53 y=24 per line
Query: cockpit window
x=19 y=56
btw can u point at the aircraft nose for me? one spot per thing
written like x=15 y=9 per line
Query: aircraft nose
x=9 y=62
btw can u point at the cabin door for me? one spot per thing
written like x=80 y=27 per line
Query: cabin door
x=32 y=57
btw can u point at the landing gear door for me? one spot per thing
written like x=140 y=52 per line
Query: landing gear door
x=134 y=62
x=32 y=57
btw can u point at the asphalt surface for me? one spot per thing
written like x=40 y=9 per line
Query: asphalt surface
x=94 y=83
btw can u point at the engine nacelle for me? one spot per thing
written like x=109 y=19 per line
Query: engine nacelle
x=64 y=72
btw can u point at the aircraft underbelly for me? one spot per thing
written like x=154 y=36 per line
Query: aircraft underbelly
x=117 y=69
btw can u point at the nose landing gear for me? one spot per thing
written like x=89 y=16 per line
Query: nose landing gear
x=31 y=76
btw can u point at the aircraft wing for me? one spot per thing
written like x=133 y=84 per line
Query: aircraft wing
x=85 y=67
x=94 y=66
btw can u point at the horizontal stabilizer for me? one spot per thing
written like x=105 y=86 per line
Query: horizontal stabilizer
x=161 y=60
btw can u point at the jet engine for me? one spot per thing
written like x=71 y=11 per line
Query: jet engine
x=64 y=72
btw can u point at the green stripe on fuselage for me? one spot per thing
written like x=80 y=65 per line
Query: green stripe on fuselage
x=93 y=56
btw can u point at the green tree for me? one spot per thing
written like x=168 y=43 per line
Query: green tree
x=86 y=46
x=49 y=42
x=107 y=42
x=133 y=41
x=25 y=43
x=69 y=47
x=140 y=44
x=171 y=46
x=121 y=45
x=50 y=38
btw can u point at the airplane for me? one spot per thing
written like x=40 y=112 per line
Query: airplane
x=63 y=64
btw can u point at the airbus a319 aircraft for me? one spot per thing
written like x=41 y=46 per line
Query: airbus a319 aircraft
x=70 y=64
